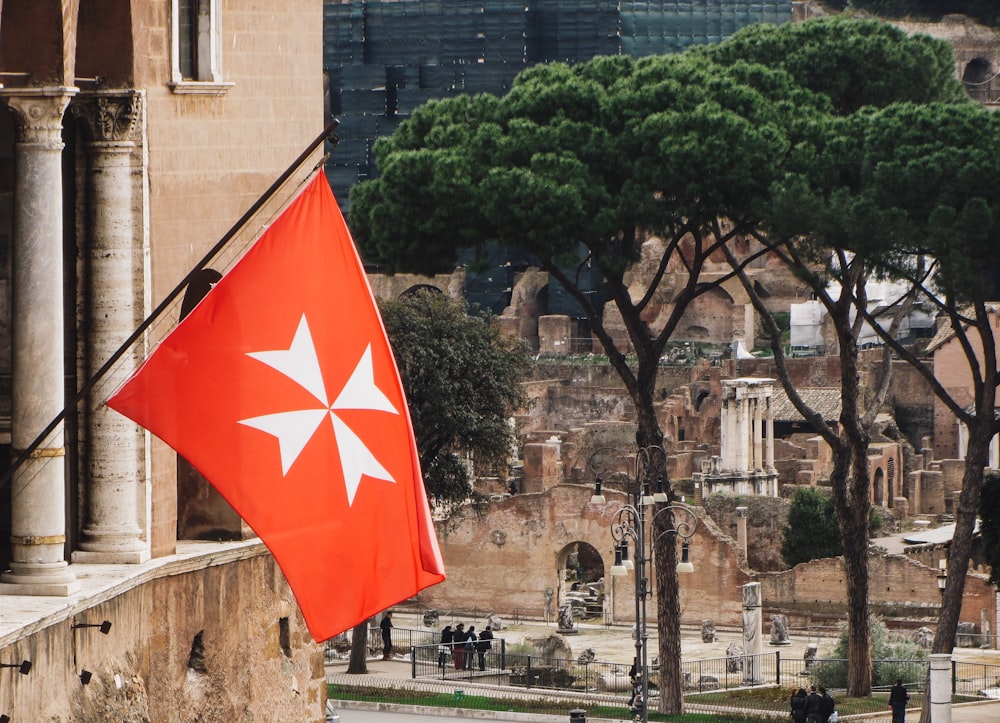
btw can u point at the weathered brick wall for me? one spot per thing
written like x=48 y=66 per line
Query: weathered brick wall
x=899 y=587
x=531 y=532
x=235 y=607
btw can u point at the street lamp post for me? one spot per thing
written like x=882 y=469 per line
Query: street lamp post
x=630 y=523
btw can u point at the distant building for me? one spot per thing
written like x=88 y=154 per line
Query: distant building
x=383 y=58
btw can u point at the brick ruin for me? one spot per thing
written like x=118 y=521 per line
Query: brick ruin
x=578 y=404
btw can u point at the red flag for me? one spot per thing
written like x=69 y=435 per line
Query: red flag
x=281 y=389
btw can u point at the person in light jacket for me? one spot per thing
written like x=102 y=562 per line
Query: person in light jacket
x=470 y=647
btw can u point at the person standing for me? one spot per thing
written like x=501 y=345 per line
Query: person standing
x=458 y=646
x=484 y=645
x=798 y=705
x=386 y=626
x=898 y=698
x=470 y=647
x=828 y=703
x=814 y=706
x=444 y=650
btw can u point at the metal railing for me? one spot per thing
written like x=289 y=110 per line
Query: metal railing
x=497 y=666
x=338 y=648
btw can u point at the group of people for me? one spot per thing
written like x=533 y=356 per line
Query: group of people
x=464 y=646
x=816 y=706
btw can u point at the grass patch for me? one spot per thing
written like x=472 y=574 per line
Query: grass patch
x=481 y=702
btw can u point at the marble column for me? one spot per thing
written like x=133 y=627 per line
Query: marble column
x=112 y=532
x=742 y=433
x=758 y=436
x=769 y=416
x=753 y=642
x=728 y=424
x=741 y=530
x=940 y=687
x=38 y=486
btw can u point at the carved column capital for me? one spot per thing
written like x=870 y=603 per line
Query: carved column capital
x=39 y=113
x=109 y=116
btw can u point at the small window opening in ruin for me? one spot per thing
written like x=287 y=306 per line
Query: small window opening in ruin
x=196 y=658
x=284 y=637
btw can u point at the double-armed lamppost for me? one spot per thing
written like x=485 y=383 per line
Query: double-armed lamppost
x=630 y=523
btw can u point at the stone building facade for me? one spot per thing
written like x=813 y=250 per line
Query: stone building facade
x=133 y=136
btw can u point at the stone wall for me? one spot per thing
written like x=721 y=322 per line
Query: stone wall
x=532 y=532
x=902 y=590
x=213 y=640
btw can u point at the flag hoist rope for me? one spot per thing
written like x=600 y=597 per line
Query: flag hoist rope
x=31 y=450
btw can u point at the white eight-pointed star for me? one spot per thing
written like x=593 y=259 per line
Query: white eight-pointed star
x=294 y=428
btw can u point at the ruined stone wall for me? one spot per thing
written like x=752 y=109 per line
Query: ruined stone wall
x=531 y=532
x=899 y=588
x=203 y=643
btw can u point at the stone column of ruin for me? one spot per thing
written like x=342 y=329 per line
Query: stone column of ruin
x=770 y=437
x=38 y=487
x=758 y=436
x=742 y=432
x=112 y=532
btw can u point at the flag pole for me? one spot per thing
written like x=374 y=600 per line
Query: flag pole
x=327 y=134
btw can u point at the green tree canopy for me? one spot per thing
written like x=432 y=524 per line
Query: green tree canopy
x=463 y=383
x=989 y=515
x=855 y=63
x=812 y=531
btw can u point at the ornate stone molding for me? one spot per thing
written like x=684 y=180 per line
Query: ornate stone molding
x=39 y=112
x=109 y=115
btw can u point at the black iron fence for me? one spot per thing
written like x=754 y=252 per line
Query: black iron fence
x=338 y=648
x=499 y=666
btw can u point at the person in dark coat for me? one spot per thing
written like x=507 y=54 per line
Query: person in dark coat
x=444 y=650
x=798 y=705
x=458 y=646
x=386 y=626
x=484 y=645
x=829 y=704
x=898 y=698
x=814 y=707
x=470 y=647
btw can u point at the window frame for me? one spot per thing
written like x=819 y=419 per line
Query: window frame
x=206 y=51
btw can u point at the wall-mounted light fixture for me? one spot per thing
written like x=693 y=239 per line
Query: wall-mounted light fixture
x=24 y=667
x=105 y=627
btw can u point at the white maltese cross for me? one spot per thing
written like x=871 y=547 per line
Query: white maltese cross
x=294 y=428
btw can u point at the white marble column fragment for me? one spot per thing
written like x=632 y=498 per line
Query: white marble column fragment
x=38 y=487
x=753 y=639
x=742 y=430
x=728 y=425
x=758 y=436
x=741 y=530
x=940 y=687
x=769 y=416
x=112 y=532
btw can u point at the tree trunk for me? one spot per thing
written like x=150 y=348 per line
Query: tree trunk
x=668 y=614
x=664 y=546
x=854 y=526
x=359 y=649
x=960 y=549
